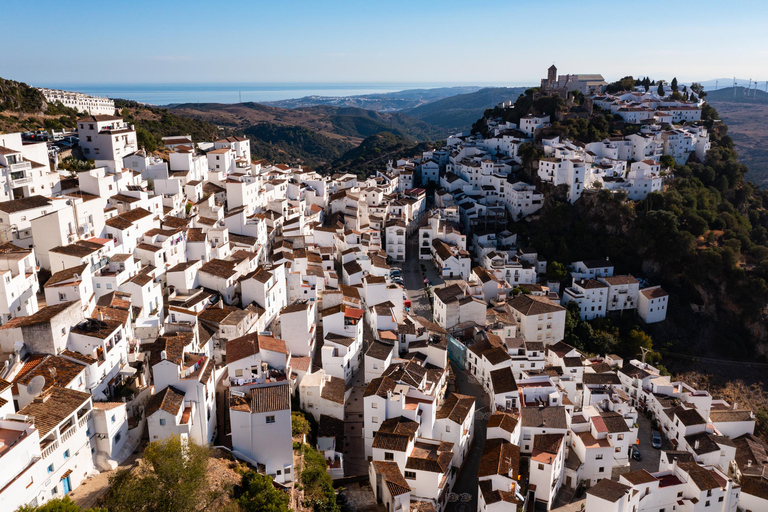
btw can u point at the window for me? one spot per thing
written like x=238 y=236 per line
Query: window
x=270 y=419
x=389 y=456
x=599 y=456
x=113 y=418
x=50 y=468
x=410 y=475
x=66 y=454
x=601 y=470
x=287 y=471
x=541 y=467
x=162 y=421
x=706 y=504
x=88 y=432
x=375 y=419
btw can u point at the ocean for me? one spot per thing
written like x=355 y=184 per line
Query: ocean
x=165 y=94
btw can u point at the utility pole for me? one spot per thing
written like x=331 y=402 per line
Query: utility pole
x=734 y=87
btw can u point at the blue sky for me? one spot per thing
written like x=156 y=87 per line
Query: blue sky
x=478 y=42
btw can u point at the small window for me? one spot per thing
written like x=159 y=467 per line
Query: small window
x=66 y=454
x=270 y=419
x=162 y=421
x=601 y=470
x=50 y=468
x=113 y=418
x=410 y=475
x=389 y=456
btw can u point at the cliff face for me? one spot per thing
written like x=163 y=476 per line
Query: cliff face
x=20 y=97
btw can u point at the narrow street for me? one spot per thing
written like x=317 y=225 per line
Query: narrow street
x=466 y=483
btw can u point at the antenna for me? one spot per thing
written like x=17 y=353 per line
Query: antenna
x=36 y=385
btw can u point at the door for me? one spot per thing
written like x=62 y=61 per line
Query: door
x=66 y=485
x=568 y=481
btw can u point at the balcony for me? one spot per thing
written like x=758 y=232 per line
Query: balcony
x=48 y=450
x=66 y=434
x=21 y=181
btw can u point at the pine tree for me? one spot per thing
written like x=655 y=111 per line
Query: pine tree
x=661 y=90
x=674 y=84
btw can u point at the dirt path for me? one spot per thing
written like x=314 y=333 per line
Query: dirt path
x=91 y=490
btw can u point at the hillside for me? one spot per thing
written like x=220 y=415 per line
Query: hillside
x=704 y=238
x=20 y=97
x=457 y=113
x=347 y=123
x=153 y=123
x=293 y=144
x=390 y=101
x=373 y=153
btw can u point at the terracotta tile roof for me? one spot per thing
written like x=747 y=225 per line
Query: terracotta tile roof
x=219 y=268
x=42 y=316
x=619 y=280
x=431 y=460
x=380 y=386
x=173 y=344
x=654 y=293
x=378 y=350
x=546 y=417
x=502 y=420
x=456 y=408
x=503 y=380
x=263 y=399
x=94 y=328
x=639 y=477
x=702 y=477
x=530 y=305
x=334 y=389
x=400 y=426
x=500 y=457
x=169 y=400
x=491 y=496
x=394 y=480
x=24 y=203
x=609 y=490
x=54 y=407
x=727 y=415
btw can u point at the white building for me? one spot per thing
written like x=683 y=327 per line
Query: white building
x=261 y=429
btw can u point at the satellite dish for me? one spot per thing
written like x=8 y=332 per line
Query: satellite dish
x=36 y=385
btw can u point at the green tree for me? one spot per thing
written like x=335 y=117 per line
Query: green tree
x=260 y=495
x=667 y=161
x=173 y=477
x=660 y=90
x=673 y=85
x=556 y=271
x=635 y=340
x=145 y=139
x=59 y=505
x=318 y=486
x=299 y=424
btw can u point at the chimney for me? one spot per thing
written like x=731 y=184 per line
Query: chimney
x=696 y=445
x=735 y=405
x=674 y=464
x=749 y=463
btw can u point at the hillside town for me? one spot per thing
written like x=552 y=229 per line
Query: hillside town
x=205 y=294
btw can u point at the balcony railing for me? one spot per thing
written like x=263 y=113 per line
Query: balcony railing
x=68 y=433
x=50 y=449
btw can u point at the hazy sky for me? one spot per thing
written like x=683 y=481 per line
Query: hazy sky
x=479 y=42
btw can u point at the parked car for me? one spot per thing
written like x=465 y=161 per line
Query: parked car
x=656 y=439
x=636 y=453
x=398 y=280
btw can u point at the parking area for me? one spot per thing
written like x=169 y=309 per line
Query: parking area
x=651 y=455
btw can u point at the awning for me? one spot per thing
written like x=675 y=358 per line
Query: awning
x=127 y=370
x=66 y=474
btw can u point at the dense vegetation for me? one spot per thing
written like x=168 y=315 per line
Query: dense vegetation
x=293 y=144
x=316 y=483
x=705 y=238
x=357 y=122
x=20 y=97
x=375 y=151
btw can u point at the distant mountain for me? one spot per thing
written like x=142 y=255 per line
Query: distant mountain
x=738 y=95
x=390 y=101
x=746 y=119
x=721 y=83
x=457 y=113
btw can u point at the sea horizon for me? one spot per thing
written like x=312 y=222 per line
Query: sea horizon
x=175 y=93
